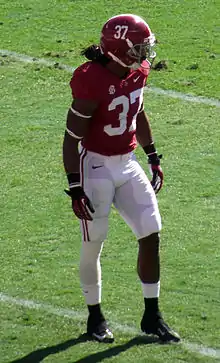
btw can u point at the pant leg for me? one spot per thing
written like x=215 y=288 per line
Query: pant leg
x=99 y=187
x=136 y=202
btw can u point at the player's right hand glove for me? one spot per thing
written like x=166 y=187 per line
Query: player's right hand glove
x=81 y=205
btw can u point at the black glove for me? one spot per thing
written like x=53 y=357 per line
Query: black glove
x=81 y=205
x=154 y=167
x=156 y=171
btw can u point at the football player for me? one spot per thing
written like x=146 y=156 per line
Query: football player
x=104 y=124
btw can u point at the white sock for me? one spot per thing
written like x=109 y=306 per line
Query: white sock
x=151 y=290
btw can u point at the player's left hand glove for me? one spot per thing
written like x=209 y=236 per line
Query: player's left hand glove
x=154 y=166
x=156 y=171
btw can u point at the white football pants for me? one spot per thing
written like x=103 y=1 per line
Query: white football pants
x=121 y=181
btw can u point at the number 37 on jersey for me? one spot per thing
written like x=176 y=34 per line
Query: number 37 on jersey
x=126 y=119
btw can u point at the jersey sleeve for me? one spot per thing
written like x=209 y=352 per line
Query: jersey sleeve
x=84 y=84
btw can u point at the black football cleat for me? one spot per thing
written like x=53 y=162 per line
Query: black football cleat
x=99 y=331
x=157 y=326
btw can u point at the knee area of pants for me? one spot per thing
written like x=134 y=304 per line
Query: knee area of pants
x=98 y=230
x=150 y=225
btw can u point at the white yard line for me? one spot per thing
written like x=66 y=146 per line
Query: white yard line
x=77 y=316
x=159 y=91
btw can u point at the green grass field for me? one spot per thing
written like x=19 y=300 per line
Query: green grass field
x=42 y=311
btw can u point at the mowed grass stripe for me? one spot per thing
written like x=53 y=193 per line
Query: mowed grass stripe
x=77 y=316
x=159 y=91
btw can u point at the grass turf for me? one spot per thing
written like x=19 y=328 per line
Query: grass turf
x=40 y=239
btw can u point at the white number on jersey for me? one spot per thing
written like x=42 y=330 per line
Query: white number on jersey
x=125 y=102
x=120 y=31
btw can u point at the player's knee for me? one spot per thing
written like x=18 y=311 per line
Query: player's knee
x=155 y=226
x=150 y=224
x=97 y=229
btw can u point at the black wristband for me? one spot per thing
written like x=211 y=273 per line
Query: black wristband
x=154 y=158
x=73 y=179
x=150 y=149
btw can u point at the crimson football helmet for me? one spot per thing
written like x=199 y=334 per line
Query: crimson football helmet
x=128 y=40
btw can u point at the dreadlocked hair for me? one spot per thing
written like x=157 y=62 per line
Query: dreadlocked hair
x=93 y=53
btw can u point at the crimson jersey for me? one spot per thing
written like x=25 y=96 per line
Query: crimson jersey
x=113 y=124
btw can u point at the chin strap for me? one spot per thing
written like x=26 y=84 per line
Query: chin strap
x=117 y=60
x=134 y=65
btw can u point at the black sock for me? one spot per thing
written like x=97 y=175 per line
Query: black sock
x=95 y=310
x=151 y=305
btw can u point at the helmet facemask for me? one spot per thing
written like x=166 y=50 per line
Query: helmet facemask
x=141 y=52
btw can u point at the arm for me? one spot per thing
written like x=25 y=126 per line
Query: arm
x=77 y=126
x=143 y=131
x=145 y=139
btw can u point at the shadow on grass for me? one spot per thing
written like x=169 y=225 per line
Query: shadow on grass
x=116 y=350
x=39 y=355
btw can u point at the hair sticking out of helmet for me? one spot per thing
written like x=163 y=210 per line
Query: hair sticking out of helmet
x=128 y=40
x=93 y=53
